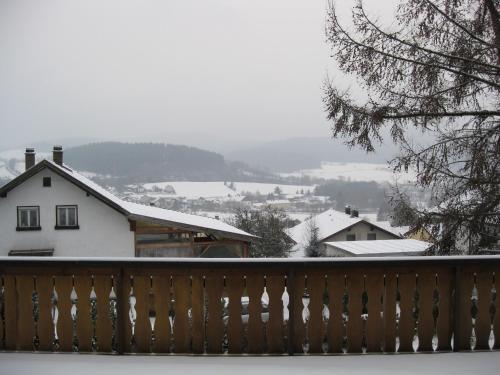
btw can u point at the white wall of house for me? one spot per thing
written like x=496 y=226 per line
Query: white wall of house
x=361 y=231
x=103 y=230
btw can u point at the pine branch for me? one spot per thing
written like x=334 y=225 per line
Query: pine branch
x=461 y=27
x=495 y=68
x=408 y=60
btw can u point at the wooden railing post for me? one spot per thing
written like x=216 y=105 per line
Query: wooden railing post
x=122 y=308
x=456 y=309
x=290 y=282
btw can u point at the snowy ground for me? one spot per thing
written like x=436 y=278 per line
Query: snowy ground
x=354 y=172
x=216 y=189
x=82 y=364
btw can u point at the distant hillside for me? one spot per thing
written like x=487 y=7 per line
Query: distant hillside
x=142 y=162
x=305 y=153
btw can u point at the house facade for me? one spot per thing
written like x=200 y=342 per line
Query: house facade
x=51 y=209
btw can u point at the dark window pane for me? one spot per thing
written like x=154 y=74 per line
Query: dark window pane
x=71 y=216
x=24 y=218
x=33 y=217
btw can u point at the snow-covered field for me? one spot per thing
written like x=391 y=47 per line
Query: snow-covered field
x=354 y=172
x=81 y=364
x=193 y=190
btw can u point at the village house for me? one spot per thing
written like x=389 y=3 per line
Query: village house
x=334 y=226
x=51 y=209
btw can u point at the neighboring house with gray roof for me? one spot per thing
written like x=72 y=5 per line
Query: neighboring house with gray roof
x=380 y=248
x=334 y=226
x=51 y=209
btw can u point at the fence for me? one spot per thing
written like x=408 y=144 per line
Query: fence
x=250 y=306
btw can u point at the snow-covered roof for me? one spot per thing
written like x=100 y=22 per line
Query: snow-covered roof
x=398 y=231
x=328 y=223
x=331 y=222
x=381 y=247
x=133 y=210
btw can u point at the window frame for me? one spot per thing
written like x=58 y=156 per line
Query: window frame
x=64 y=227
x=21 y=228
x=46 y=181
x=373 y=234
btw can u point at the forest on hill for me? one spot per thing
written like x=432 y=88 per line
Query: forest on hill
x=143 y=162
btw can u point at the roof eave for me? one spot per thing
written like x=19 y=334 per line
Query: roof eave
x=155 y=220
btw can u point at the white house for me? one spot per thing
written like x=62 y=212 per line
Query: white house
x=335 y=226
x=51 y=209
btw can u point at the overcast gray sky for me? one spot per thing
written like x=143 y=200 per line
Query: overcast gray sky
x=164 y=70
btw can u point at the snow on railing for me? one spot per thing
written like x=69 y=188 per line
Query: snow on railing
x=256 y=306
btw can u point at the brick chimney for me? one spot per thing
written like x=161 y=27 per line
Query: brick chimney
x=355 y=213
x=29 y=158
x=57 y=155
x=347 y=210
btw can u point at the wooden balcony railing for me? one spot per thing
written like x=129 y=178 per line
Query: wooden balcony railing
x=413 y=304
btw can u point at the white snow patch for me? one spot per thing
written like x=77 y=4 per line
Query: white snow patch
x=355 y=172
x=217 y=189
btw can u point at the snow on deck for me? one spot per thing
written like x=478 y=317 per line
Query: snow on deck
x=82 y=364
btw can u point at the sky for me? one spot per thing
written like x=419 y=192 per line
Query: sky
x=206 y=72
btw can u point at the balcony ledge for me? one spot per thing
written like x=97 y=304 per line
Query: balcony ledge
x=440 y=363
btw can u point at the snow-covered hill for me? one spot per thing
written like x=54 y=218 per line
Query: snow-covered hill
x=355 y=172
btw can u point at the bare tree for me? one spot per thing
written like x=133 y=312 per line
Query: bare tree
x=437 y=70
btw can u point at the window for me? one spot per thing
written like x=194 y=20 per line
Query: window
x=351 y=237
x=28 y=218
x=47 y=182
x=67 y=217
x=371 y=236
